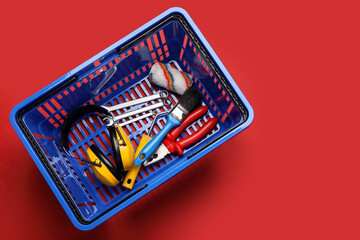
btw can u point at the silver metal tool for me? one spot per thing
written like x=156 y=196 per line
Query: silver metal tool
x=186 y=104
x=137 y=119
x=111 y=120
x=159 y=154
x=161 y=94
x=155 y=119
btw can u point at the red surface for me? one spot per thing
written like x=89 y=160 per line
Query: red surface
x=294 y=174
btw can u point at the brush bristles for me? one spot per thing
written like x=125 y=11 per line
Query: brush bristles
x=190 y=99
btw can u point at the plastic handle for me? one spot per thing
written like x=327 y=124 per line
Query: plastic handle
x=133 y=172
x=199 y=112
x=151 y=147
x=195 y=137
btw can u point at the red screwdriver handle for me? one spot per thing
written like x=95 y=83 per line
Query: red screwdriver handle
x=196 y=114
x=195 y=137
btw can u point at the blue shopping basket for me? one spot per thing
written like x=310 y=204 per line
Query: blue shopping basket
x=118 y=74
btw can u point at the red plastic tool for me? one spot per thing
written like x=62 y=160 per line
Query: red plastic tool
x=169 y=144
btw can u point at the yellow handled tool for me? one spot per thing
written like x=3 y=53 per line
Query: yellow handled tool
x=133 y=172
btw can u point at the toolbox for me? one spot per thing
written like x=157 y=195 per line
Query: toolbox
x=118 y=74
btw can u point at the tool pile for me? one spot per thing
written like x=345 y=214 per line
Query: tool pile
x=150 y=149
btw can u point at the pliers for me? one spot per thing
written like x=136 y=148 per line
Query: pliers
x=169 y=144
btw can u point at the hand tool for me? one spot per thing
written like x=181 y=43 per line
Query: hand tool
x=170 y=146
x=186 y=104
x=133 y=172
x=111 y=120
x=137 y=119
x=162 y=94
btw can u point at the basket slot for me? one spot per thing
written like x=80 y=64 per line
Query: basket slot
x=101 y=194
x=67 y=173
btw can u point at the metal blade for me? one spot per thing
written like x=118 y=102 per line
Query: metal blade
x=159 y=154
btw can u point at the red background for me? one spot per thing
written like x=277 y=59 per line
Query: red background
x=293 y=174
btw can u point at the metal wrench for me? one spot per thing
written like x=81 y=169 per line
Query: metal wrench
x=137 y=119
x=161 y=94
x=111 y=120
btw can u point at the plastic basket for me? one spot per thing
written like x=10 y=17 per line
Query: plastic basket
x=117 y=74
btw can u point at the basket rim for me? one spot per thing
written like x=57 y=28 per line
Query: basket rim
x=67 y=79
